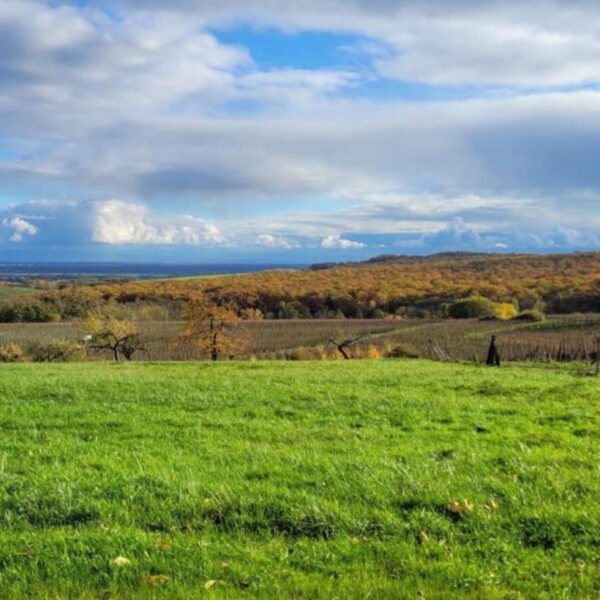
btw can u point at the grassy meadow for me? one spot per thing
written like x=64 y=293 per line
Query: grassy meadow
x=370 y=479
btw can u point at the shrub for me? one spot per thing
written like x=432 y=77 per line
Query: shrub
x=530 y=316
x=11 y=353
x=322 y=352
x=28 y=312
x=373 y=352
x=56 y=351
x=474 y=307
x=505 y=311
x=403 y=350
x=300 y=354
x=378 y=314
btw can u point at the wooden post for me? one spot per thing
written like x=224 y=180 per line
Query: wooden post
x=493 y=357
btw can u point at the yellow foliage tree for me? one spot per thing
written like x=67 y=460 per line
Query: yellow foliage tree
x=114 y=335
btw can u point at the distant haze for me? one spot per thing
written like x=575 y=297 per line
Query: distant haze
x=67 y=270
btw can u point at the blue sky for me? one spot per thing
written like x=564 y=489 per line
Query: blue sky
x=268 y=131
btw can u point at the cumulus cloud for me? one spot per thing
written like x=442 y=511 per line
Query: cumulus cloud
x=335 y=241
x=459 y=235
x=117 y=223
x=20 y=227
x=377 y=226
x=564 y=237
x=456 y=235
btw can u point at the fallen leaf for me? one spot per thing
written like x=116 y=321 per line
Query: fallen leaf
x=156 y=579
x=120 y=561
x=492 y=505
x=164 y=546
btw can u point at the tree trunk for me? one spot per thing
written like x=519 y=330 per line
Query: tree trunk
x=343 y=352
x=493 y=357
x=340 y=347
x=214 y=349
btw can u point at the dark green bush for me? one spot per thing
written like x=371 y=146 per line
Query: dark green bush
x=530 y=316
x=474 y=307
x=403 y=350
x=28 y=312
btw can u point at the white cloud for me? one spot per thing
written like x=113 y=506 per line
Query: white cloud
x=455 y=236
x=139 y=107
x=127 y=107
x=20 y=227
x=537 y=44
x=116 y=69
x=516 y=146
x=466 y=42
x=336 y=241
x=294 y=86
x=459 y=235
x=267 y=240
x=131 y=228
x=117 y=223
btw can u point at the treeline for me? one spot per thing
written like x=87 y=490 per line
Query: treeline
x=421 y=288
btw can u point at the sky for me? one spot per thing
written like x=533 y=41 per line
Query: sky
x=294 y=132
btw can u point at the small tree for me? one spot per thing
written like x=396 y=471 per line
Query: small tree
x=118 y=337
x=343 y=343
x=216 y=330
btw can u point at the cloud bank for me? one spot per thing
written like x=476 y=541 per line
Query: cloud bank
x=133 y=124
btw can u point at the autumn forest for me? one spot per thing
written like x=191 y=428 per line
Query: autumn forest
x=380 y=288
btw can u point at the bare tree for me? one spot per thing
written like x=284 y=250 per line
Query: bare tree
x=344 y=344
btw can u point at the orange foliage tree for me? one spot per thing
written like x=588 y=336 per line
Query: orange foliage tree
x=216 y=330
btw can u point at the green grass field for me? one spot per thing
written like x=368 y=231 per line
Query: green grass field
x=373 y=479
